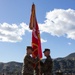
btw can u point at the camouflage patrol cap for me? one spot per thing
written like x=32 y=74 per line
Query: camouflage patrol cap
x=46 y=50
x=29 y=47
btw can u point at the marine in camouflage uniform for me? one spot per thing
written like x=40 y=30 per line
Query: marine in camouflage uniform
x=46 y=67
x=28 y=68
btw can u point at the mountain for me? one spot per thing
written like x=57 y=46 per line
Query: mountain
x=10 y=67
x=66 y=65
x=70 y=56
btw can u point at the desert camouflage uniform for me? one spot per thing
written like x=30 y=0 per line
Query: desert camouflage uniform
x=28 y=68
x=47 y=66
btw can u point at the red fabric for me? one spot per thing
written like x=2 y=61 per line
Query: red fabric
x=36 y=40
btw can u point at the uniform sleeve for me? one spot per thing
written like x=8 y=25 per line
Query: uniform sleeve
x=41 y=63
x=23 y=68
x=32 y=60
x=50 y=66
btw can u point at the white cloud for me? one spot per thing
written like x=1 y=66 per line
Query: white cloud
x=60 y=22
x=69 y=43
x=12 y=33
x=42 y=40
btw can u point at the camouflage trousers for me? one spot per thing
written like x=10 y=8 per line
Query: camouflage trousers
x=47 y=73
x=26 y=74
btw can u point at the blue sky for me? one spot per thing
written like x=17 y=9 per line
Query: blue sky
x=56 y=22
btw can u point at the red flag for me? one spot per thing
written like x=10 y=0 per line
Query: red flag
x=36 y=41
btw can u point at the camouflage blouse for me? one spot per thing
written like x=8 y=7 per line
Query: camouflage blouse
x=28 y=65
x=47 y=66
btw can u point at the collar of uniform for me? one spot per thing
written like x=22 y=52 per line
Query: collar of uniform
x=49 y=56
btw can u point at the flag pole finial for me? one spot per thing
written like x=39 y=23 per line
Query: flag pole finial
x=33 y=3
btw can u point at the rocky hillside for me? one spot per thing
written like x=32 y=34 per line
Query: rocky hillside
x=10 y=67
x=70 y=56
x=66 y=64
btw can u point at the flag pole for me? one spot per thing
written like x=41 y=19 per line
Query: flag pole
x=39 y=68
x=36 y=42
